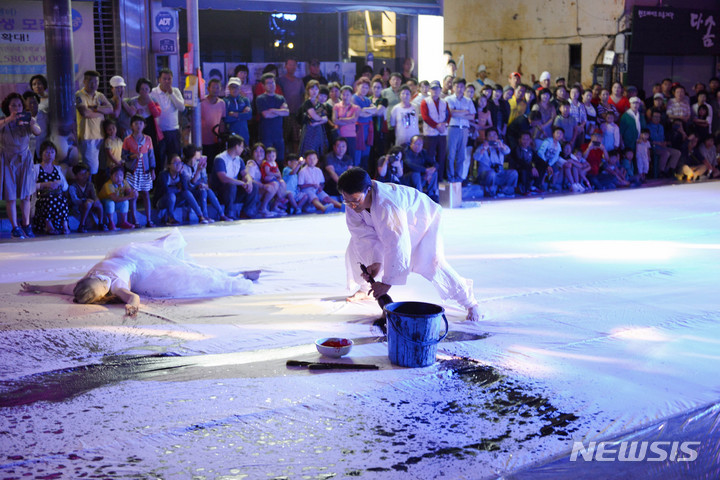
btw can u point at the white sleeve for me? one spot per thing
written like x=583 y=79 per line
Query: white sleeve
x=394 y=235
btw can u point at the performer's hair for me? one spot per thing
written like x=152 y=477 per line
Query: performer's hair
x=354 y=180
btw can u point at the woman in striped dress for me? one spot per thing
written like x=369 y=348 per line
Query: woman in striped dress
x=139 y=158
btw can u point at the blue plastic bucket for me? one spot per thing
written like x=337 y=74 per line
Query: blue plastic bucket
x=413 y=331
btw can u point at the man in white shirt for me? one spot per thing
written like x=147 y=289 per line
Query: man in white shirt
x=395 y=230
x=171 y=103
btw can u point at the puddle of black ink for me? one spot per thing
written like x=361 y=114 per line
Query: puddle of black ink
x=503 y=399
x=59 y=385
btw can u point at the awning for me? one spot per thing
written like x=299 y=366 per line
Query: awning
x=408 y=7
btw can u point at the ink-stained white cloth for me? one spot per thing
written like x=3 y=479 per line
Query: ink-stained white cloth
x=160 y=269
x=402 y=232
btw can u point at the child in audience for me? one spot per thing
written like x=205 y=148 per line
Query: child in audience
x=642 y=153
x=549 y=152
x=311 y=182
x=537 y=130
x=596 y=156
x=116 y=194
x=172 y=191
x=83 y=197
x=267 y=190
x=571 y=169
x=271 y=174
x=568 y=123
x=290 y=175
x=111 y=151
x=611 y=132
x=139 y=158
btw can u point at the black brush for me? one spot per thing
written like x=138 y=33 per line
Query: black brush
x=382 y=301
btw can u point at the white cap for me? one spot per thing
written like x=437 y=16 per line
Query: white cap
x=482 y=68
x=234 y=81
x=634 y=99
x=545 y=76
x=117 y=81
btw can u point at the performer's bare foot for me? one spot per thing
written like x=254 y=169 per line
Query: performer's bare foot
x=359 y=296
x=474 y=314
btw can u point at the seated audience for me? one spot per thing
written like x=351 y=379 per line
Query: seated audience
x=229 y=173
x=84 y=198
x=173 y=191
x=116 y=195
x=492 y=175
x=197 y=182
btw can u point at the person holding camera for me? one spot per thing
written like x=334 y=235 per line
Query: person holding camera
x=195 y=170
x=491 y=173
x=390 y=167
x=18 y=179
x=421 y=170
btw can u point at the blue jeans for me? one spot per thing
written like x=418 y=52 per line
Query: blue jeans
x=202 y=197
x=172 y=199
x=457 y=141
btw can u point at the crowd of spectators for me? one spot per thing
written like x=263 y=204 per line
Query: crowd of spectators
x=278 y=147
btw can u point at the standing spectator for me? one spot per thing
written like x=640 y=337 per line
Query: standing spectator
x=259 y=88
x=272 y=108
x=364 y=137
x=229 y=173
x=294 y=92
x=31 y=101
x=238 y=110
x=482 y=78
x=385 y=73
x=92 y=106
x=544 y=82
x=122 y=110
x=436 y=115
x=578 y=112
x=549 y=152
x=611 y=132
x=568 y=123
x=547 y=110
x=345 y=116
x=18 y=180
x=591 y=115
x=631 y=124
x=336 y=75
x=51 y=207
x=404 y=119
x=642 y=153
x=379 y=125
x=171 y=102
x=337 y=161
x=408 y=68
x=84 y=198
x=514 y=80
x=702 y=99
x=212 y=111
x=499 y=109
x=617 y=98
x=110 y=151
x=147 y=108
x=462 y=112
x=605 y=106
x=392 y=94
x=447 y=86
x=139 y=157
x=668 y=157
x=39 y=85
x=313 y=118
x=678 y=107
x=314 y=73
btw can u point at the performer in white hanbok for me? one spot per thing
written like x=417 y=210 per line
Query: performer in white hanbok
x=158 y=269
x=395 y=230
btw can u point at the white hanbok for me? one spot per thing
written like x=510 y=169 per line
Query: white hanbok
x=160 y=269
x=402 y=232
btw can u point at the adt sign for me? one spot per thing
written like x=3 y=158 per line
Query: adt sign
x=164 y=22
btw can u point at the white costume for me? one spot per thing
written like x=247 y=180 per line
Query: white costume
x=160 y=269
x=402 y=232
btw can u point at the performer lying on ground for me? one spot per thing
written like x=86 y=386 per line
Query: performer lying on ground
x=395 y=230
x=157 y=269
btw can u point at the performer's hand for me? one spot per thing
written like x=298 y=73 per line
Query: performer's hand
x=379 y=289
x=373 y=271
x=131 y=309
x=27 y=287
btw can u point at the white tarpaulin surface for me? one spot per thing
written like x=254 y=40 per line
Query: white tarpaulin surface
x=601 y=321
